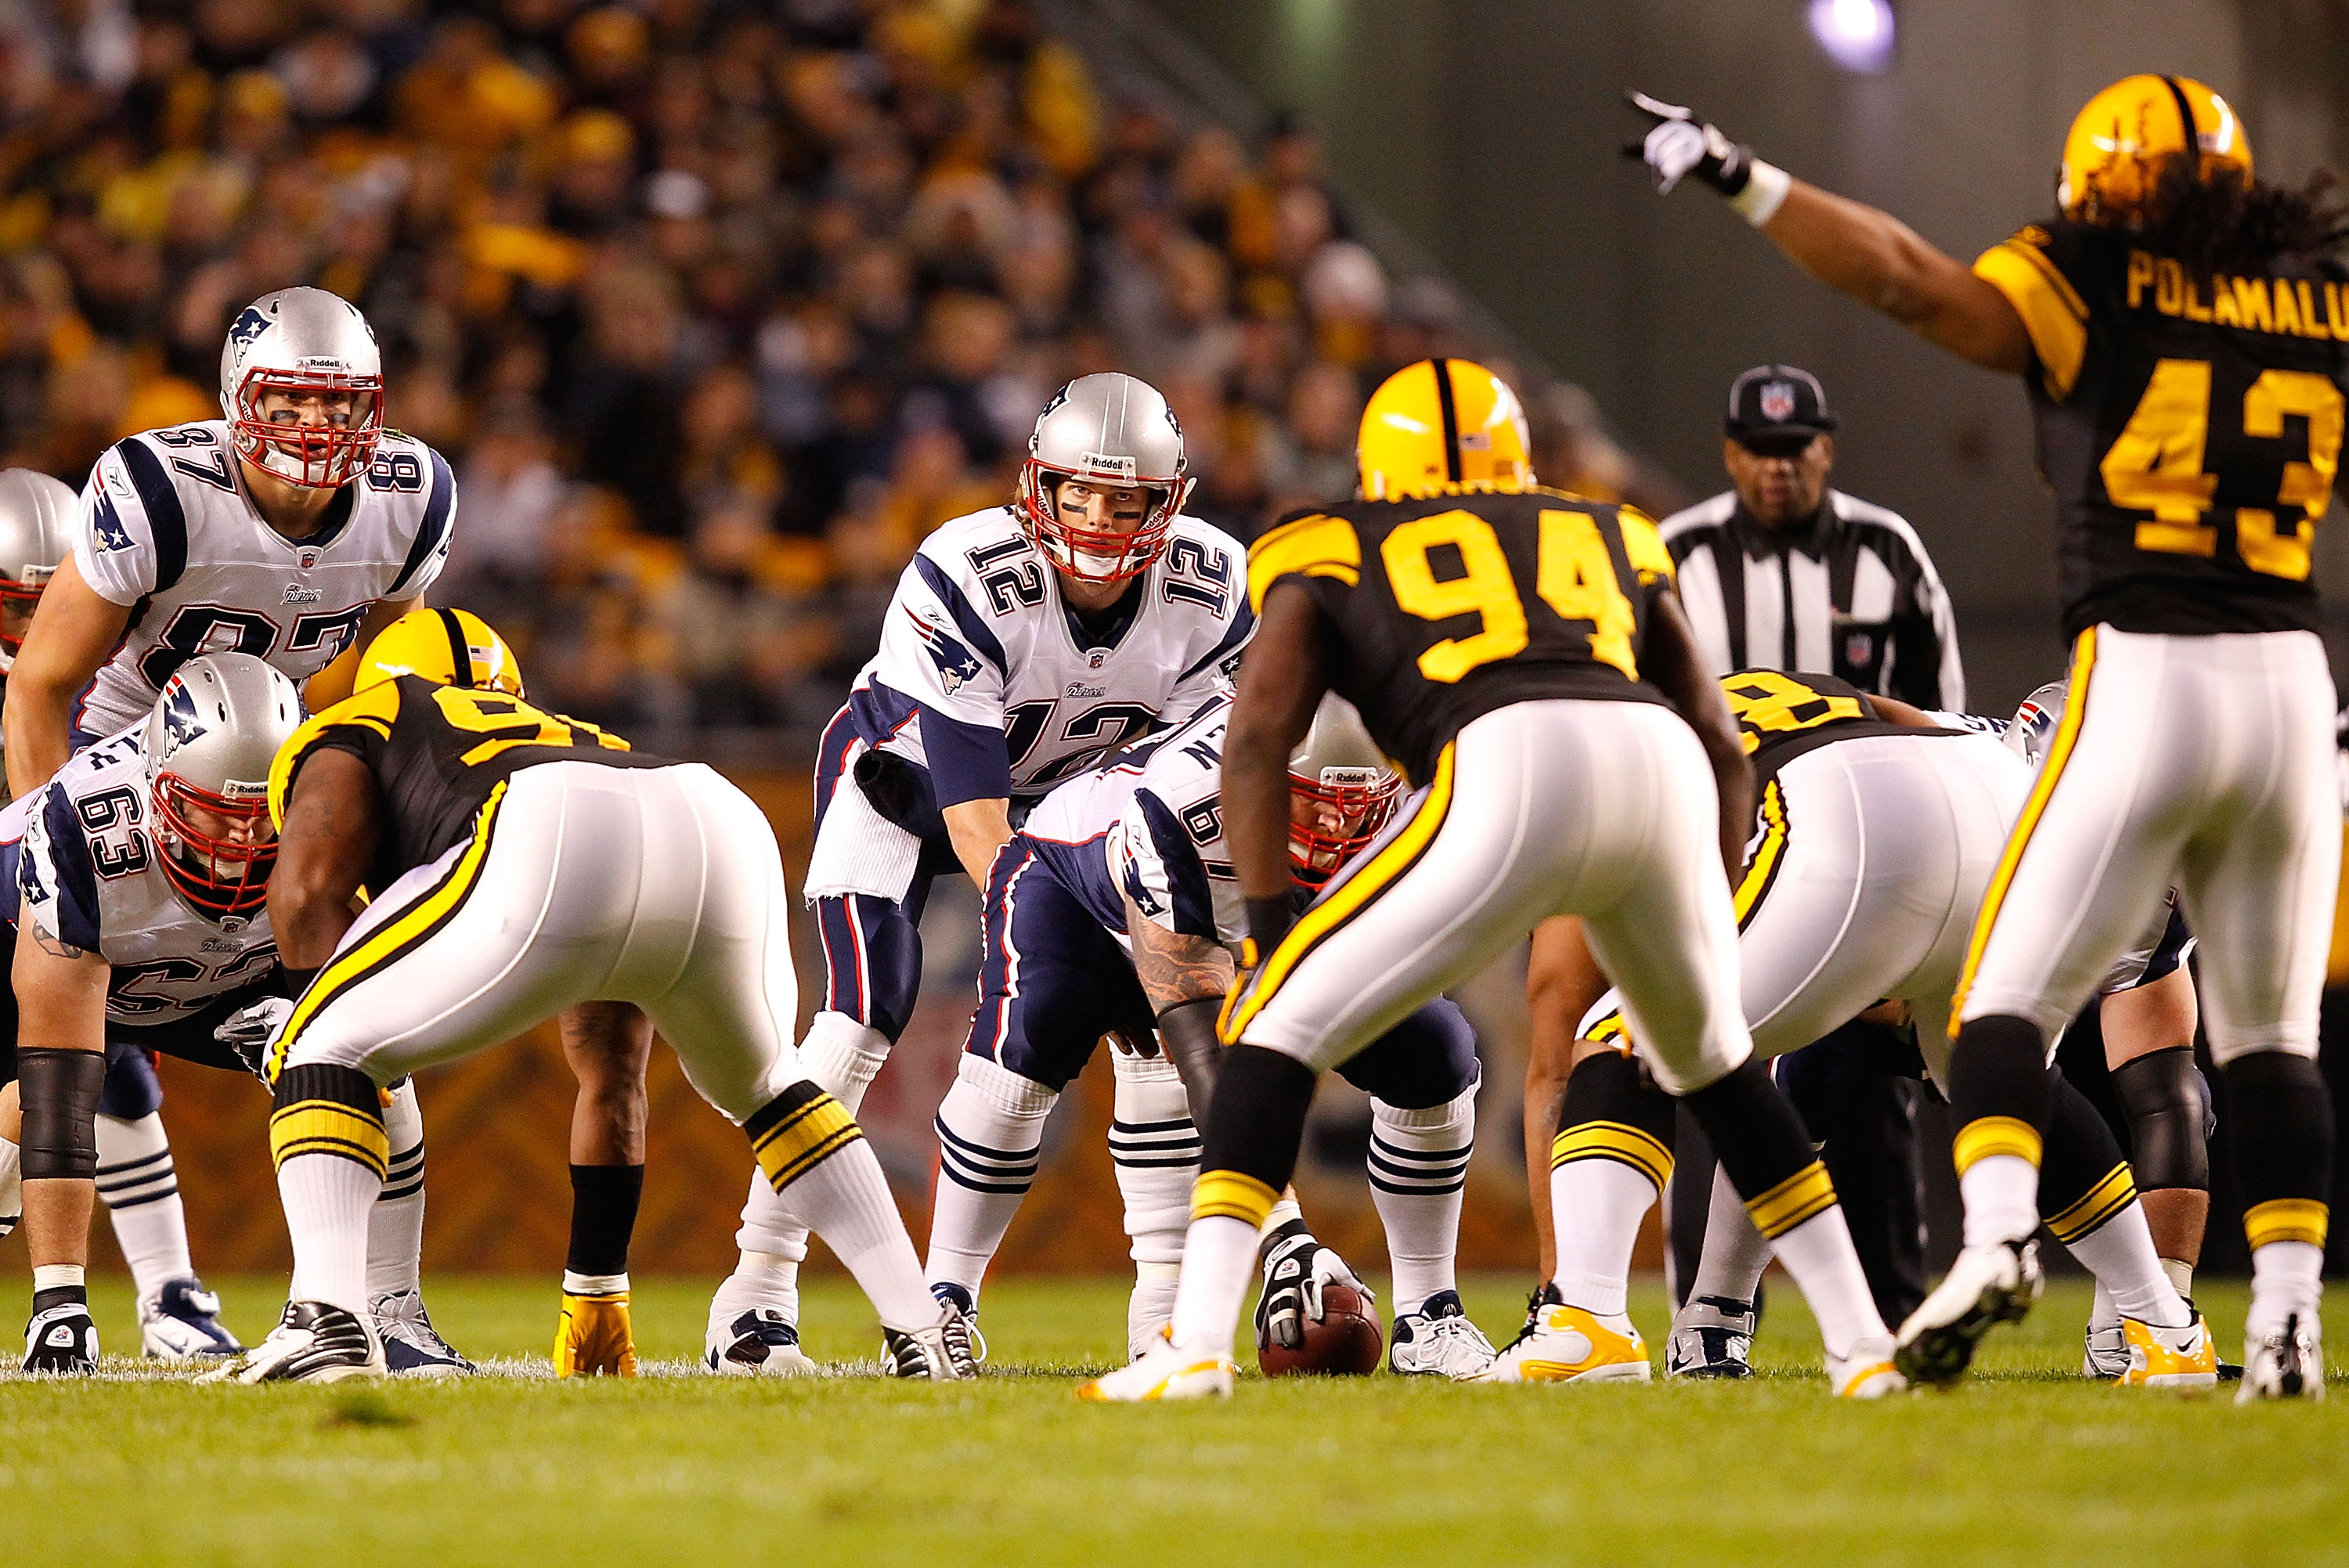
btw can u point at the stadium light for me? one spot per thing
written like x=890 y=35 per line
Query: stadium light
x=1857 y=35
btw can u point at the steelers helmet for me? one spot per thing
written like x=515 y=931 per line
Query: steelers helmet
x=2114 y=153
x=1439 y=428
x=447 y=648
x=1341 y=792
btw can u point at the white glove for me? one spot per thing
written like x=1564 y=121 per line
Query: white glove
x=1297 y=1269
x=251 y=1030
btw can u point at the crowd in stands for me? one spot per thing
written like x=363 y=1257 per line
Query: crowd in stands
x=716 y=308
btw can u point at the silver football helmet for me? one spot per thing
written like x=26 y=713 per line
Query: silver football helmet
x=1342 y=791
x=36 y=511
x=295 y=341
x=2032 y=732
x=1107 y=429
x=210 y=740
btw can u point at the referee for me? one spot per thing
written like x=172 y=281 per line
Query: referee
x=1784 y=573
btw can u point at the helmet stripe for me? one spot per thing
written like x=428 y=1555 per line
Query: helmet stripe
x=2185 y=114
x=1442 y=368
x=459 y=659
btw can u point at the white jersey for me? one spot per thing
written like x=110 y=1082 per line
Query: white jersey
x=984 y=678
x=81 y=862
x=165 y=528
x=1149 y=825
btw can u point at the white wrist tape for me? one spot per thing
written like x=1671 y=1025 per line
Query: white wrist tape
x=1766 y=187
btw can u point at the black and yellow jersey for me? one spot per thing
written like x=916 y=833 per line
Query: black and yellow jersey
x=1446 y=607
x=438 y=752
x=2190 y=427
x=1780 y=716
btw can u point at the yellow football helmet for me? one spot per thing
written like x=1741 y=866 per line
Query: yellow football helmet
x=1441 y=427
x=447 y=648
x=2114 y=152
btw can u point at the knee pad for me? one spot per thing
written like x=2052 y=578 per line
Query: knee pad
x=132 y=1090
x=60 y=1090
x=1427 y=1060
x=2162 y=1096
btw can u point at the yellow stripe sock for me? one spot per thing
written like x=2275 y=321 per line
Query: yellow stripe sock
x=1613 y=1141
x=2286 y=1220
x=1807 y=1192
x=1988 y=1134
x=1231 y=1195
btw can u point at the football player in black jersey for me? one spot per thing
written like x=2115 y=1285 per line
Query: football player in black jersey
x=1519 y=652
x=2182 y=331
x=521 y=862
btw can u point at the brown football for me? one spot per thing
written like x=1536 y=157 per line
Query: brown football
x=1345 y=1343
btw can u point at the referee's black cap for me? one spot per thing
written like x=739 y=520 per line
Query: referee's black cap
x=1773 y=404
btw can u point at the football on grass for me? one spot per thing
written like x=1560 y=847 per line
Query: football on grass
x=1345 y=1343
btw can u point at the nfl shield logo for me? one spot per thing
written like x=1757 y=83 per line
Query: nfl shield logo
x=308 y=558
x=1858 y=649
x=1094 y=661
x=1777 y=401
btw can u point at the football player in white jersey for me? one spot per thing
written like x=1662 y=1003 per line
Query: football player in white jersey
x=1024 y=643
x=1115 y=912
x=292 y=528
x=136 y=878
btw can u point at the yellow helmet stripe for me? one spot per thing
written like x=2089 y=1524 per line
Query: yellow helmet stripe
x=1450 y=410
x=460 y=659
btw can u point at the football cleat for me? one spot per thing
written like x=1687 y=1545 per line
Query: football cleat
x=2286 y=1363
x=2161 y=1357
x=313 y=1343
x=412 y=1347
x=593 y=1337
x=181 y=1322
x=1985 y=1286
x=1712 y=1336
x=940 y=1352
x=1166 y=1372
x=1568 y=1345
x=2106 y=1355
x=61 y=1341
x=964 y=1306
x=1439 y=1338
x=760 y=1342
x=1867 y=1372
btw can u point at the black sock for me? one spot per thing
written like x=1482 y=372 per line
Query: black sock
x=1763 y=1147
x=603 y=1199
x=1257 y=1116
x=2280 y=1131
x=1998 y=1075
x=1610 y=1111
x=2083 y=1179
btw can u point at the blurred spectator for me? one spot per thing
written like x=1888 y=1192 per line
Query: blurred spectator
x=717 y=309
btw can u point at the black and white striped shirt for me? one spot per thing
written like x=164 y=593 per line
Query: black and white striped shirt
x=1851 y=595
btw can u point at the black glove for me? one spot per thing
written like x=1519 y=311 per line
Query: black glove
x=1678 y=143
x=1296 y=1268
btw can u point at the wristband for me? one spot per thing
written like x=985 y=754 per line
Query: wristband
x=1766 y=187
x=1268 y=920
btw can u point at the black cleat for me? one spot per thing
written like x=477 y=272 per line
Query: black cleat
x=1987 y=1285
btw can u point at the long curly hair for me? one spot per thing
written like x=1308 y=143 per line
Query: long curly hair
x=2229 y=222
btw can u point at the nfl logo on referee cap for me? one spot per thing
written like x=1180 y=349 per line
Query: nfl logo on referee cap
x=1778 y=401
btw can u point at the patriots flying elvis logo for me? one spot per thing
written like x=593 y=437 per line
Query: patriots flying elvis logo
x=180 y=720
x=248 y=326
x=106 y=526
x=955 y=663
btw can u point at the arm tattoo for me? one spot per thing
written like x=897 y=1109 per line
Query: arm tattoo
x=1173 y=967
x=52 y=943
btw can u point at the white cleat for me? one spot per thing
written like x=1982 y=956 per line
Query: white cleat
x=1986 y=1286
x=1438 y=1339
x=940 y=1352
x=181 y=1322
x=313 y=1343
x=1568 y=1345
x=2286 y=1363
x=412 y=1347
x=1867 y=1372
x=758 y=1343
x=1167 y=1372
x=1712 y=1336
x=2106 y=1355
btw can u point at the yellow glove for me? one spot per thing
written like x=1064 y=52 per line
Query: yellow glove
x=594 y=1338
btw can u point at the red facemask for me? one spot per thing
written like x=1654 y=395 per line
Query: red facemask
x=327 y=455
x=1362 y=809
x=1095 y=555
x=217 y=876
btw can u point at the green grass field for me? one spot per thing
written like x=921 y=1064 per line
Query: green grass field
x=2027 y=1464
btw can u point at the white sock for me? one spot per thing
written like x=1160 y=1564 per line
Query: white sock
x=1596 y=1206
x=844 y=1057
x=2002 y=1195
x=2120 y=1253
x=12 y=1186
x=1418 y=1165
x=2287 y=1277
x=141 y=1193
x=762 y=1280
x=2102 y=1313
x=1819 y=1253
x=2181 y=1276
x=990 y=1132
x=328 y=1200
x=844 y=1199
x=1218 y=1261
x=395 y=1224
x=1734 y=1253
x=1154 y=1146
